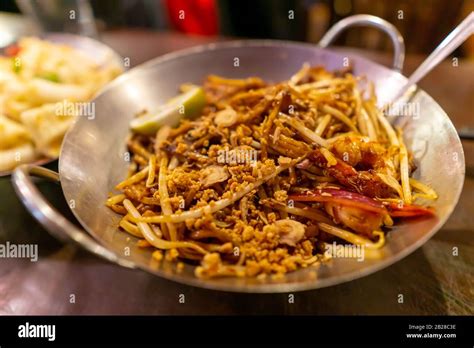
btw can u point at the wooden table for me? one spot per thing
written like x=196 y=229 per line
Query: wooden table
x=431 y=280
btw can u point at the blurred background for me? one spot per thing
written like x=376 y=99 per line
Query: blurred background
x=423 y=23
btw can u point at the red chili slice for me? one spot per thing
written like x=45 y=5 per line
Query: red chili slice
x=342 y=197
x=12 y=51
x=409 y=210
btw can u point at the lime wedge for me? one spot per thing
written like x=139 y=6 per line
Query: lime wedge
x=188 y=104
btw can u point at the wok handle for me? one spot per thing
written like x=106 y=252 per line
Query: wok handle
x=50 y=218
x=371 y=21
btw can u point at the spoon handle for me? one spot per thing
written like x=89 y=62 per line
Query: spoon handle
x=444 y=49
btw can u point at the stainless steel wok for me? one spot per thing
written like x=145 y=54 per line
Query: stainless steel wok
x=91 y=161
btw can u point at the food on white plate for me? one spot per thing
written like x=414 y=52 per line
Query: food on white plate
x=43 y=87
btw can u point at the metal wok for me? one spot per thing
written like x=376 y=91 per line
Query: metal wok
x=91 y=161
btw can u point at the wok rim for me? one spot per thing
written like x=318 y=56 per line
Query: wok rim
x=275 y=287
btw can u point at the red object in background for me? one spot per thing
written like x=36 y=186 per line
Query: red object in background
x=193 y=16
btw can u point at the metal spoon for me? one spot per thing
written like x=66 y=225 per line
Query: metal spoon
x=444 y=49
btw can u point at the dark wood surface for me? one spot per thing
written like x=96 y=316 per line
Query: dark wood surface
x=432 y=280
